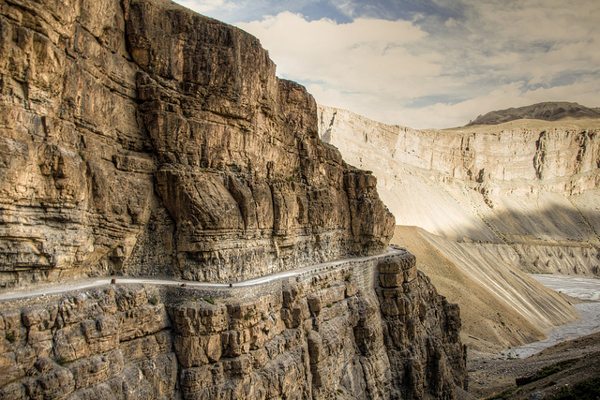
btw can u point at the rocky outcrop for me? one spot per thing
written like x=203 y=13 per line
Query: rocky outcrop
x=374 y=329
x=140 y=138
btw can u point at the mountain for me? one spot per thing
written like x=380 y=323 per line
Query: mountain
x=482 y=205
x=172 y=227
x=547 y=111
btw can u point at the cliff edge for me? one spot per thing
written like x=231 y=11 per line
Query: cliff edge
x=481 y=205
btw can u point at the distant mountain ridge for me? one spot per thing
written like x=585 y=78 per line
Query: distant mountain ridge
x=548 y=111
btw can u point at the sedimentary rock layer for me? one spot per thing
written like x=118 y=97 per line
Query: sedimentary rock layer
x=531 y=186
x=139 y=138
x=492 y=201
x=372 y=330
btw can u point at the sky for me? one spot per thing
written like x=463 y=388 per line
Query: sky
x=427 y=63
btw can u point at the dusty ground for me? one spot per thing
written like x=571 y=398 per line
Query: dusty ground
x=560 y=368
x=555 y=370
x=495 y=317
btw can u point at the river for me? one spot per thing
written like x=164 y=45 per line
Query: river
x=586 y=289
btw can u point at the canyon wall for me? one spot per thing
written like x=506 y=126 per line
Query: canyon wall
x=373 y=329
x=530 y=185
x=491 y=202
x=139 y=138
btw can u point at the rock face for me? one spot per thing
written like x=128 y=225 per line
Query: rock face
x=139 y=138
x=491 y=200
x=548 y=111
x=374 y=329
x=523 y=184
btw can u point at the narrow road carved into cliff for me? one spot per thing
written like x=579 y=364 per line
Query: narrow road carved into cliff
x=52 y=289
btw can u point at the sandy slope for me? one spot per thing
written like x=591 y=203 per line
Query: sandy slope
x=500 y=305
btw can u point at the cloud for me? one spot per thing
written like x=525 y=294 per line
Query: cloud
x=342 y=55
x=237 y=11
x=365 y=59
x=432 y=63
x=207 y=6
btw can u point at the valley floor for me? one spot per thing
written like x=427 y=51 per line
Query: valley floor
x=565 y=364
x=586 y=289
x=500 y=305
x=555 y=371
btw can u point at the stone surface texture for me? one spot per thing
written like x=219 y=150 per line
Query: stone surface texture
x=371 y=330
x=139 y=138
x=531 y=185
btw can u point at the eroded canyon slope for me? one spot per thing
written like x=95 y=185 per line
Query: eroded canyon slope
x=138 y=138
x=491 y=201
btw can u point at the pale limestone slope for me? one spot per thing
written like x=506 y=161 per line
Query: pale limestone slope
x=519 y=183
x=519 y=196
x=500 y=307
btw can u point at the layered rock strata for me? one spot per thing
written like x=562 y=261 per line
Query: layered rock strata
x=372 y=329
x=529 y=186
x=139 y=138
x=491 y=202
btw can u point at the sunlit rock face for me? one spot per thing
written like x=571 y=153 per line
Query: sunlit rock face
x=481 y=204
x=140 y=138
x=521 y=183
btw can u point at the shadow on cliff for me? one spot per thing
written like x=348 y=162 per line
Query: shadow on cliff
x=553 y=224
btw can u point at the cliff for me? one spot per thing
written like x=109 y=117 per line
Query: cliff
x=519 y=183
x=139 y=139
x=492 y=201
x=324 y=336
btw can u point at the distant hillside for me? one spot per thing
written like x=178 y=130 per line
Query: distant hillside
x=479 y=206
x=549 y=111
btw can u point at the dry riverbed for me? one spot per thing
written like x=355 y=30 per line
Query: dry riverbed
x=565 y=364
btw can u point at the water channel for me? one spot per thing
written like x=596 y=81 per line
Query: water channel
x=583 y=288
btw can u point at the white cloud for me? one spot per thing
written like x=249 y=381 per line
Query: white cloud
x=436 y=71
x=207 y=6
x=351 y=60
